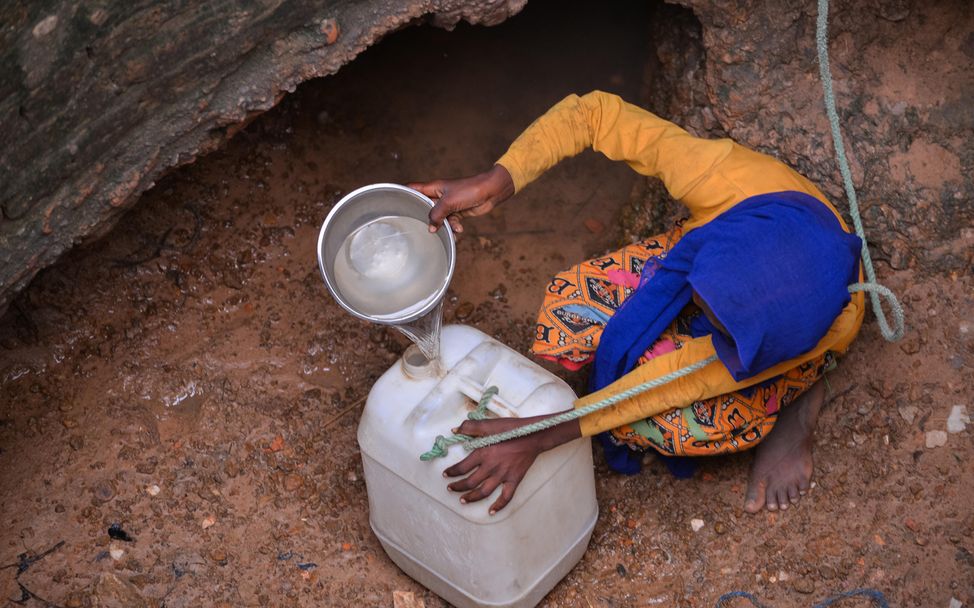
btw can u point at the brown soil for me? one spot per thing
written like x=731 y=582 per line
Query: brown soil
x=195 y=349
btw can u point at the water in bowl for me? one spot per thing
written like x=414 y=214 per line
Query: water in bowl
x=393 y=266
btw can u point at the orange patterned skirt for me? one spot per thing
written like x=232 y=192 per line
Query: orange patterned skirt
x=577 y=305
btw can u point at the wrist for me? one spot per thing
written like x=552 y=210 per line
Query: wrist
x=560 y=434
x=500 y=183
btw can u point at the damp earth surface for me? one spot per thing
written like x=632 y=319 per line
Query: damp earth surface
x=188 y=378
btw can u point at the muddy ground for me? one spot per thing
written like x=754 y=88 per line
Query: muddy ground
x=188 y=377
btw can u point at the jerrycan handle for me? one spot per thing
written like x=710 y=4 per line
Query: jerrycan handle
x=498 y=405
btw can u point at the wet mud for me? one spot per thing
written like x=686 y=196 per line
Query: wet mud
x=188 y=378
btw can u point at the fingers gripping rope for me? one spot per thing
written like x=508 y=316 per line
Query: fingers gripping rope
x=442 y=444
x=891 y=332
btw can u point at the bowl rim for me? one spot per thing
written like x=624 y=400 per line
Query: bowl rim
x=349 y=199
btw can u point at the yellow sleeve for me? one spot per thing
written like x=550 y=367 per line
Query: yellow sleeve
x=620 y=131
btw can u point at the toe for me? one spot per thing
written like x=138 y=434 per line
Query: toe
x=771 y=500
x=782 y=495
x=754 y=496
x=793 y=495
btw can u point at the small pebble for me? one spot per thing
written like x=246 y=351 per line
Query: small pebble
x=116 y=552
x=936 y=439
x=330 y=30
x=696 y=524
x=104 y=492
x=208 y=521
x=804 y=585
x=69 y=423
x=219 y=556
x=152 y=490
x=955 y=603
x=719 y=527
x=908 y=413
x=958 y=419
x=45 y=26
x=464 y=311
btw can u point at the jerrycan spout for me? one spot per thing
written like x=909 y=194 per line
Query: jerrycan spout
x=417 y=366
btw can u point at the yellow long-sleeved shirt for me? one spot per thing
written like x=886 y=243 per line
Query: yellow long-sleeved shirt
x=709 y=177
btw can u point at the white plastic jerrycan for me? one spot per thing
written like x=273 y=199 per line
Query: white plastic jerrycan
x=466 y=556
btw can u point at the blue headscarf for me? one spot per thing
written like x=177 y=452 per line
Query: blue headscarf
x=774 y=270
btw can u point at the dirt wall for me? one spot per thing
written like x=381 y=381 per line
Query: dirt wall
x=904 y=78
x=99 y=99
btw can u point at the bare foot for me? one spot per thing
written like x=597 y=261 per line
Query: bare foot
x=782 y=470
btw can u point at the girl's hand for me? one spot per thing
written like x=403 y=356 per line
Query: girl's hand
x=503 y=464
x=467 y=197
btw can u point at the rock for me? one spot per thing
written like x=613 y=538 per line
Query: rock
x=116 y=551
x=804 y=585
x=69 y=423
x=958 y=419
x=955 y=603
x=936 y=439
x=908 y=413
x=208 y=522
x=719 y=527
x=76 y=442
x=696 y=524
x=911 y=346
x=330 y=30
x=104 y=491
x=407 y=599
x=74 y=601
x=464 y=310
x=152 y=490
x=219 y=556
x=110 y=591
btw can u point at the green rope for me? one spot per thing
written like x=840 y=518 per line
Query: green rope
x=442 y=444
x=875 y=290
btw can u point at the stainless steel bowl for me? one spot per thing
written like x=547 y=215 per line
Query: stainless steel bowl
x=363 y=206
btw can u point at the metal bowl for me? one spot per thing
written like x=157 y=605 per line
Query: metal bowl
x=362 y=206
